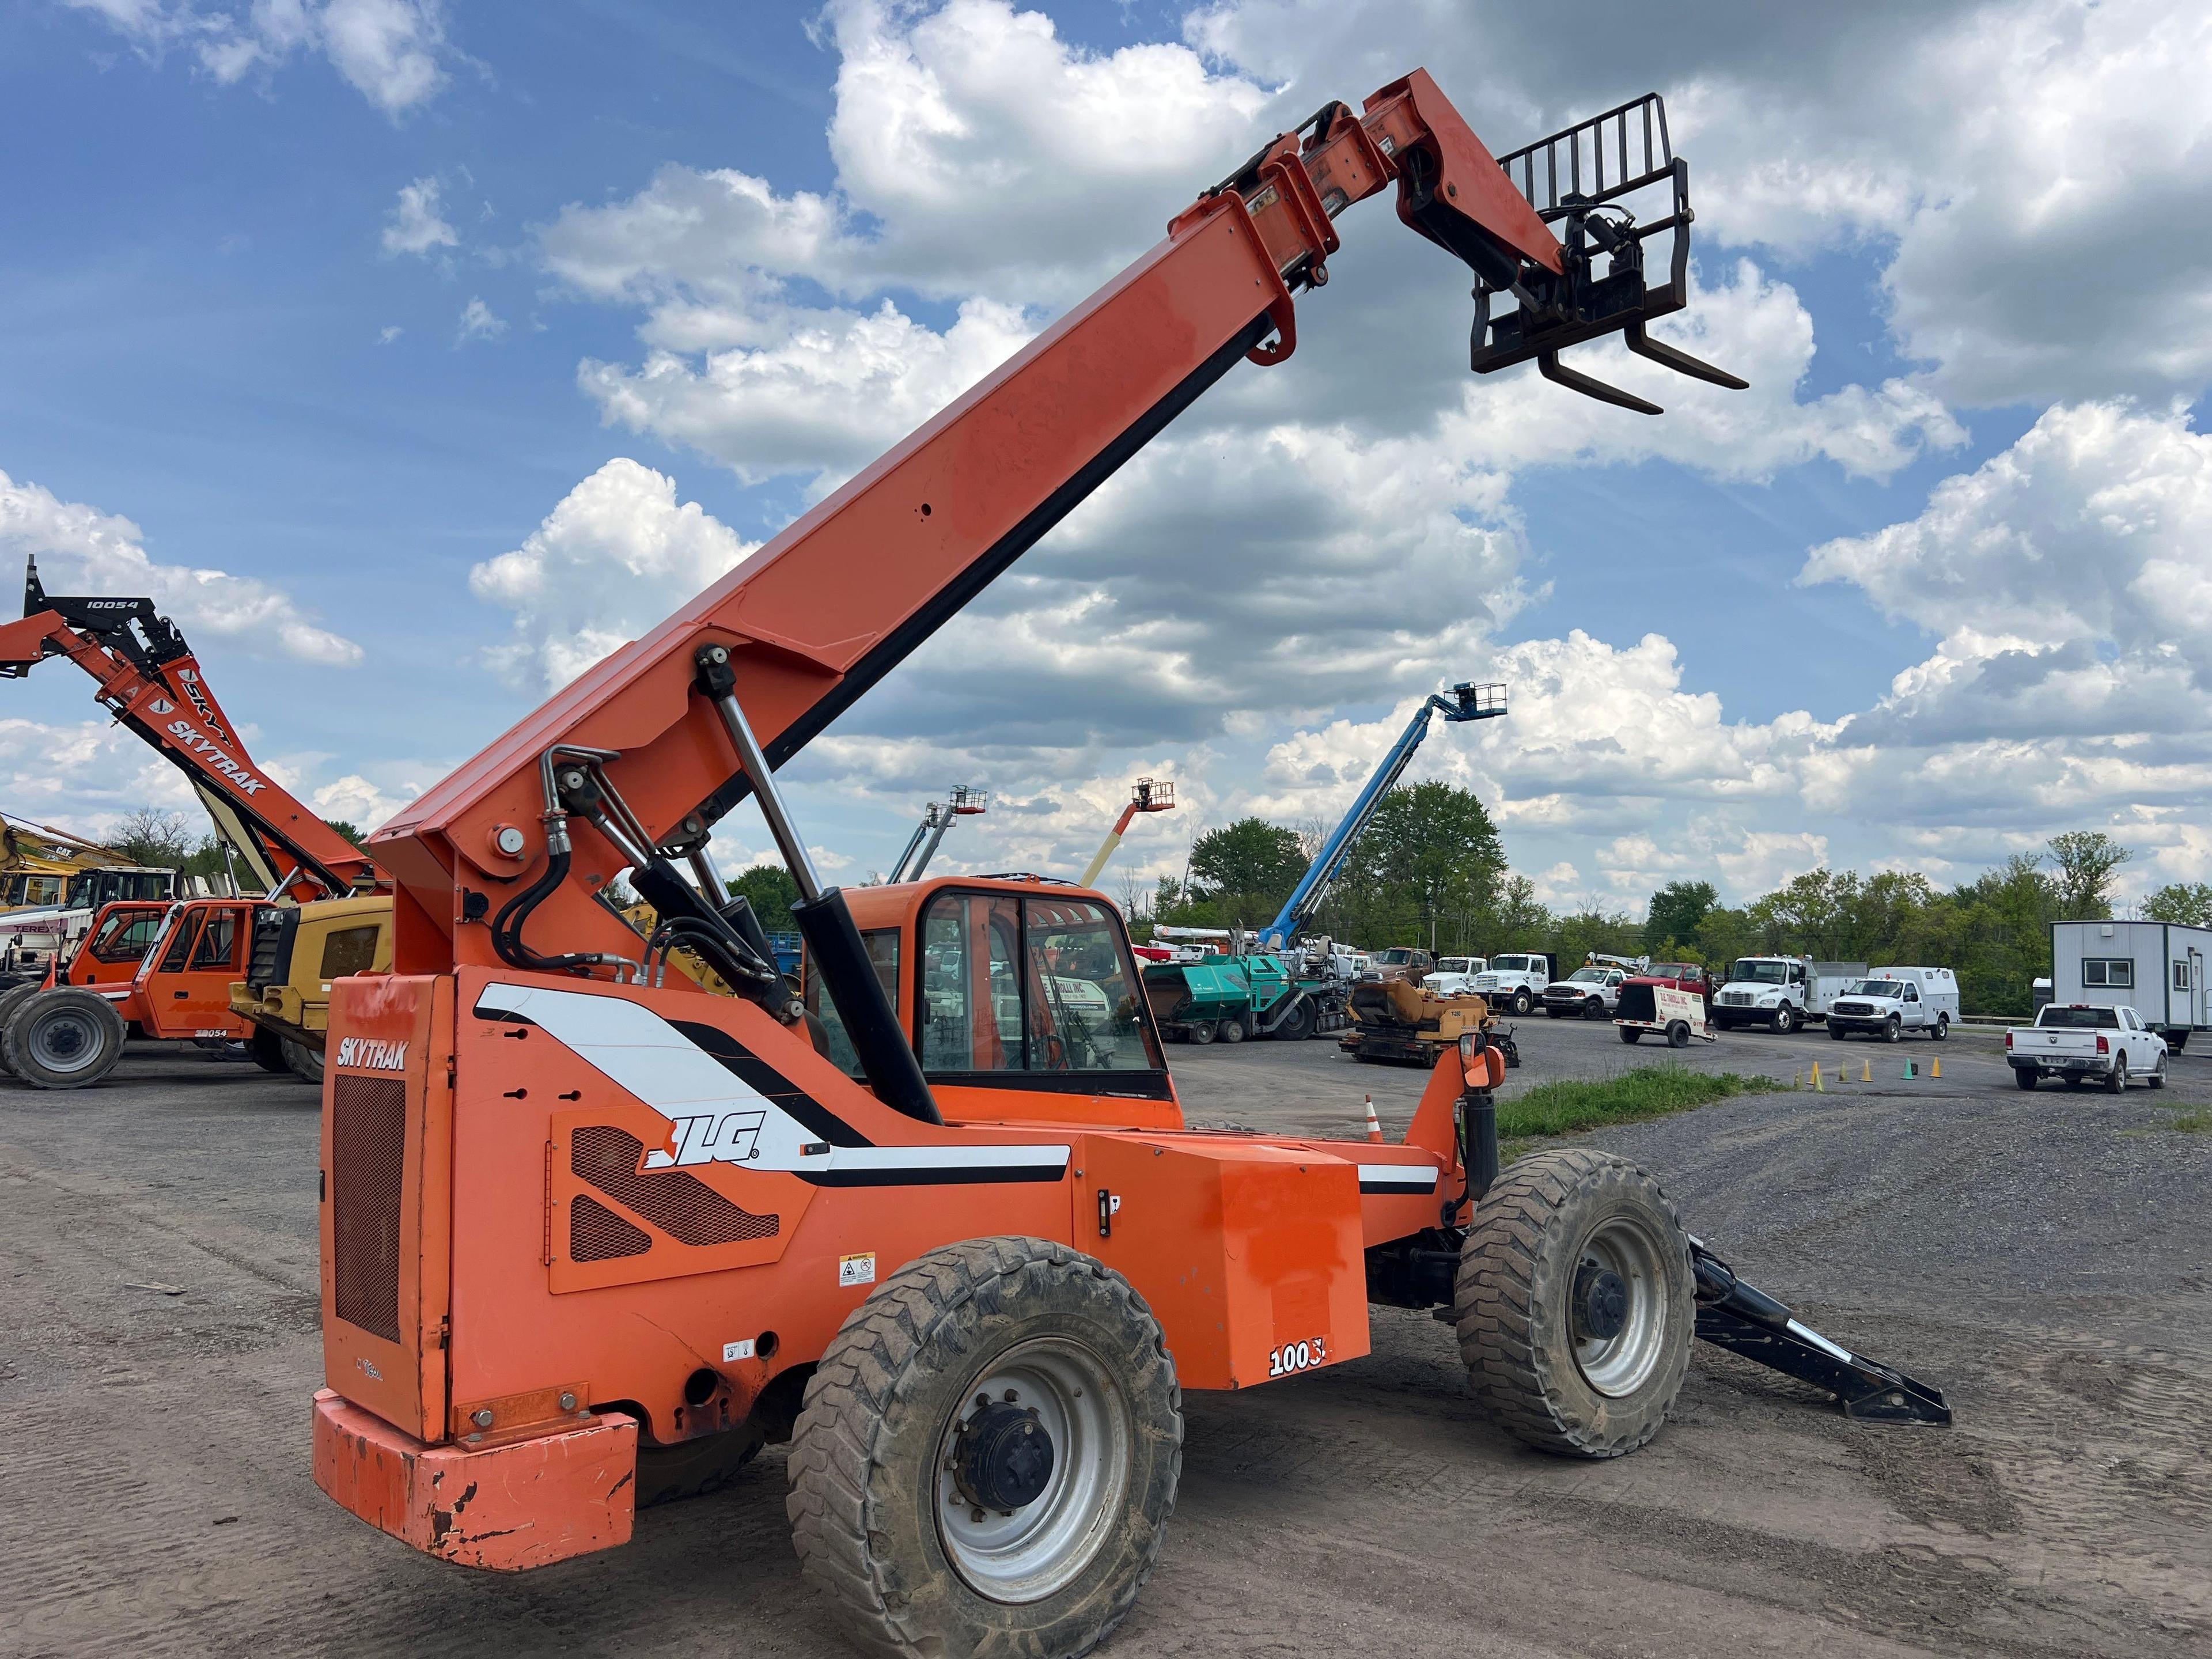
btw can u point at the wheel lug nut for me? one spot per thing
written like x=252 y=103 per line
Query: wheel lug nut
x=1011 y=1396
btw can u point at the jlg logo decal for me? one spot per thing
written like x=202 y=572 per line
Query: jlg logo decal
x=209 y=751
x=716 y=1138
x=373 y=1053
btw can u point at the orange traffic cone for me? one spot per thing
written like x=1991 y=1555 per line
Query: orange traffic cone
x=1935 y=1068
x=1866 y=1071
x=1374 y=1123
x=1816 y=1076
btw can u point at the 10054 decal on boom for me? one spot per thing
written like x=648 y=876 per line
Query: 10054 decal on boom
x=1297 y=1357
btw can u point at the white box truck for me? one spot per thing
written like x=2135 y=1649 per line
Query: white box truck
x=1892 y=1001
x=1781 y=992
x=2155 y=967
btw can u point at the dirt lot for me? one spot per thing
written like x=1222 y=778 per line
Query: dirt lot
x=2043 y=1257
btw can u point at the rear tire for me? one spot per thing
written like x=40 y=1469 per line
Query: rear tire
x=63 y=1039
x=1941 y=1031
x=11 y=999
x=692 y=1468
x=306 y=1063
x=892 y=1535
x=1232 y=1031
x=2024 y=1077
x=2116 y=1080
x=1678 y=1035
x=1628 y=1033
x=1534 y=1304
x=268 y=1050
x=1296 y=1024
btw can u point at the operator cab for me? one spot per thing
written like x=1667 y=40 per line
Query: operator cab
x=1020 y=996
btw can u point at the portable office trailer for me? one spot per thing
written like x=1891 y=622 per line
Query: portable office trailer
x=2158 y=969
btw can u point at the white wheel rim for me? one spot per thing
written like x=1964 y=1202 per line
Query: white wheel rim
x=1618 y=1365
x=1039 y=1548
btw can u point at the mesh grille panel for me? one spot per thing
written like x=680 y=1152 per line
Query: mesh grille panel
x=368 y=1158
x=679 y=1203
x=598 y=1234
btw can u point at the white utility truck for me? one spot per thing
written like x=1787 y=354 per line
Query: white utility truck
x=2155 y=967
x=1591 y=991
x=1516 y=979
x=1890 y=1001
x=2084 y=1044
x=1454 y=976
x=1781 y=992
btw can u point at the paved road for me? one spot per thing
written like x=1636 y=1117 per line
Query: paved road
x=2043 y=1256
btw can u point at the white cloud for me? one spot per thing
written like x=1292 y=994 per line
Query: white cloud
x=85 y=551
x=415 y=225
x=388 y=333
x=611 y=559
x=479 y=322
x=391 y=52
x=355 y=801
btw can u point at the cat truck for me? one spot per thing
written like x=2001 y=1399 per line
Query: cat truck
x=1781 y=992
x=147 y=676
x=1148 y=796
x=961 y=801
x=1890 y=1001
x=588 y=1229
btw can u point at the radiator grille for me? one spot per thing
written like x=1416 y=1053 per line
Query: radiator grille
x=680 y=1204
x=598 y=1234
x=369 y=1160
x=271 y=962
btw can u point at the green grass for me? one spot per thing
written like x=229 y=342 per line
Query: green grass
x=1558 y=1108
x=2197 y=1122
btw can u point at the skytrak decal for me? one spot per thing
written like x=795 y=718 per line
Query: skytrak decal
x=373 y=1053
x=190 y=682
x=210 y=751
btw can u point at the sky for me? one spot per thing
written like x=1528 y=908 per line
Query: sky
x=415 y=355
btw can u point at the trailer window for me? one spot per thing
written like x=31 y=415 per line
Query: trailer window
x=2117 y=973
x=2181 y=975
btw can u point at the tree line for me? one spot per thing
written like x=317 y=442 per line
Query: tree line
x=1430 y=871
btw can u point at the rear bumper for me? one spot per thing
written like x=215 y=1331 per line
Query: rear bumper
x=524 y=1504
x=2097 y=1065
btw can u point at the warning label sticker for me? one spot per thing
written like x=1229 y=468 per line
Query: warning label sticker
x=856 y=1270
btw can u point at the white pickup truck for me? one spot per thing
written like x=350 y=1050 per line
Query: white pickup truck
x=1591 y=992
x=2086 y=1045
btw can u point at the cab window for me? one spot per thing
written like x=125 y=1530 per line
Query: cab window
x=126 y=937
x=348 y=950
x=1030 y=985
x=883 y=948
x=180 y=944
x=218 y=938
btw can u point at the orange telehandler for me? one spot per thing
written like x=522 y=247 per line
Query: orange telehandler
x=933 y=1212
x=150 y=680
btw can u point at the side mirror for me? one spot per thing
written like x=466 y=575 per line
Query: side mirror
x=1472 y=1045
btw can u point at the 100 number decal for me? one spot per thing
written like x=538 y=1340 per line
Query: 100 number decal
x=1297 y=1357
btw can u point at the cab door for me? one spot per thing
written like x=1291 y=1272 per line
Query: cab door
x=186 y=993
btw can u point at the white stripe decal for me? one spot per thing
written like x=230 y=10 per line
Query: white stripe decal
x=1415 y=1177
x=719 y=1117
x=1806 y=1333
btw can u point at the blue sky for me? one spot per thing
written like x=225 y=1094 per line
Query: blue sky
x=741 y=250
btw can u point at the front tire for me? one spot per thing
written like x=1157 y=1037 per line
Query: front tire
x=1628 y=1033
x=1893 y=1030
x=1594 y=1009
x=1836 y=1033
x=2157 y=1077
x=306 y=1063
x=1522 y=1002
x=924 y=1417
x=1296 y=1024
x=11 y=999
x=1232 y=1031
x=63 y=1039
x=1785 y=1020
x=1202 y=1034
x=1576 y=1303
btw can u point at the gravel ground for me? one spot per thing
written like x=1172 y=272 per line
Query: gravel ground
x=2042 y=1257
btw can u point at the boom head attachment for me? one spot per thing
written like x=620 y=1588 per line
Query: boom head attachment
x=1578 y=181
x=132 y=627
x=965 y=801
x=1152 y=795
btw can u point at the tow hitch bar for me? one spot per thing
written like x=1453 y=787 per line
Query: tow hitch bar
x=1733 y=1316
